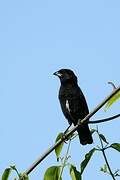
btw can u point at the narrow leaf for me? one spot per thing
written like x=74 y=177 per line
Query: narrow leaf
x=103 y=138
x=112 y=100
x=75 y=175
x=52 y=173
x=6 y=174
x=58 y=149
x=116 y=146
x=86 y=160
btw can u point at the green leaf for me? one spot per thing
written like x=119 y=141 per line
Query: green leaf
x=6 y=174
x=52 y=173
x=86 y=160
x=103 y=138
x=75 y=175
x=58 y=149
x=116 y=146
x=104 y=168
x=112 y=100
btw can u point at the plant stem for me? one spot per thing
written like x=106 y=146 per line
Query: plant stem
x=15 y=169
x=105 y=157
x=104 y=120
x=65 y=160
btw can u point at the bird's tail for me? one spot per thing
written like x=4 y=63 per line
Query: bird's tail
x=85 y=135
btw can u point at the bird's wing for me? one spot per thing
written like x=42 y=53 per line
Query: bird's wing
x=77 y=107
x=67 y=105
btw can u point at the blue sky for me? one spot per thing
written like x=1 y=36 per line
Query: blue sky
x=36 y=39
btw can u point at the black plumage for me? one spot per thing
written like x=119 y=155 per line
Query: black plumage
x=73 y=103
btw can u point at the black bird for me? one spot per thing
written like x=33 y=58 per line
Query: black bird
x=73 y=103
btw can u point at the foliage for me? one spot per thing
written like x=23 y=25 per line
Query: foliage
x=74 y=173
x=55 y=172
x=112 y=100
x=52 y=173
x=116 y=146
x=7 y=172
x=58 y=149
x=86 y=160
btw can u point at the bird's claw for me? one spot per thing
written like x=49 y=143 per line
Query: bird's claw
x=64 y=138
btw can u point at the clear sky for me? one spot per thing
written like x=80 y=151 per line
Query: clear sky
x=36 y=39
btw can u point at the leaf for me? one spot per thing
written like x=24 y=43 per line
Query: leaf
x=103 y=138
x=58 y=149
x=6 y=174
x=104 y=169
x=75 y=175
x=52 y=173
x=112 y=100
x=86 y=160
x=116 y=146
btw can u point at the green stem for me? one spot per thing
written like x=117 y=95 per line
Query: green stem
x=105 y=157
x=65 y=160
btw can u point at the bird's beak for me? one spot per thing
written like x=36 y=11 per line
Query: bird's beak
x=57 y=73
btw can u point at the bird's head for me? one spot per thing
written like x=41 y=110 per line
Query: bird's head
x=66 y=75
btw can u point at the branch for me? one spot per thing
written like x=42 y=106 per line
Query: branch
x=105 y=157
x=80 y=122
x=104 y=120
